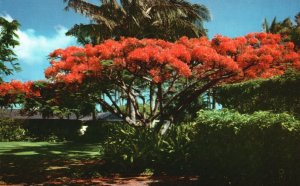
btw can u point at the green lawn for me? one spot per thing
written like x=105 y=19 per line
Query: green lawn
x=43 y=162
x=49 y=149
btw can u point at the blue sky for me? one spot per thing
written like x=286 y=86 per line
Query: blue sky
x=44 y=22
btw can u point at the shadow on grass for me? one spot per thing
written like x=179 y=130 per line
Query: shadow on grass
x=33 y=163
x=36 y=163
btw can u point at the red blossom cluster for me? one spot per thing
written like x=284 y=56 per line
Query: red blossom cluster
x=17 y=87
x=254 y=55
x=9 y=91
x=74 y=64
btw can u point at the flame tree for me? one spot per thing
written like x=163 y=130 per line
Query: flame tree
x=148 y=79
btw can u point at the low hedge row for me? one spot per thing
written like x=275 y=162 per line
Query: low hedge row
x=258 y=149
x=52 y=130
x=222 y=147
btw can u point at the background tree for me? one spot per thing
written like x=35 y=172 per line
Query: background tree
x=162 y=19
x=8 y=40
x=286 y=28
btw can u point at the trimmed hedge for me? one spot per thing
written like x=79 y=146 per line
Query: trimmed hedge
x=258 y=149
x=222 y=147
x=279 y=94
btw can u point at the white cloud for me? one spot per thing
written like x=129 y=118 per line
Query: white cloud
x=34 y=47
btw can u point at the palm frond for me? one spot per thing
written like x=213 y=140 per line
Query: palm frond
x=266 y=26
x=169 y=11
x=273 y=26
x=90 y=33
x=287 y=23
x=90 y=10
x=143 y=18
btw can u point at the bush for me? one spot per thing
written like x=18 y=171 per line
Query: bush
x=257 y=149
x=12 y=130
x=279 y=94
x=222 y=147
x=130 y=150
x=127 y=149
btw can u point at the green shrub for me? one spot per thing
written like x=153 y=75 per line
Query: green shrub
x=132 y=150
x=258 y=149
x=222 y=147
x=127 y=149
x=97 y=131
x=279 y=94
x=12 y=130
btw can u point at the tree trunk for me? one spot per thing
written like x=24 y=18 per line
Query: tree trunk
x=213 y=97
x=132 y=113
x=152 y=100
x=184 y=101
x=161 y=109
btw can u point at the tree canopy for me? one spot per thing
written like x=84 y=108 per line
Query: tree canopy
x=8 y=40
x=157 y=79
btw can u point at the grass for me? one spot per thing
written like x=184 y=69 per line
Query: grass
x=42 y=162
x=49 y=149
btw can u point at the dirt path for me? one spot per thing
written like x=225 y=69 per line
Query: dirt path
x=132 y=181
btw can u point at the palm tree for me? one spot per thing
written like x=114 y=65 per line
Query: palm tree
x=163 y=19
x=277 y=27
x=297 y=19
x=286 y=29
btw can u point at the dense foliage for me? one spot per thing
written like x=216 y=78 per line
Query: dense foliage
x=127 y=75
x=8 y=40
x=161 y=19
x=286 y=28
x=279 y=94
x=12 y=130
x=222 y=147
